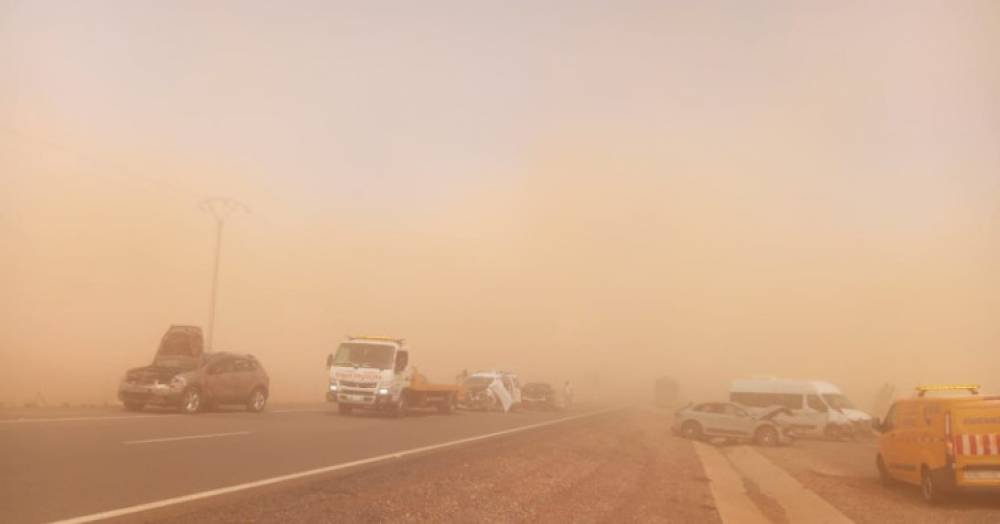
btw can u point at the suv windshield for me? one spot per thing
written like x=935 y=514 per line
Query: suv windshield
x=364 y=355
x=837 y=401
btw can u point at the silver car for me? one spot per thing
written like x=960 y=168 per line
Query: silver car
x=734 y=422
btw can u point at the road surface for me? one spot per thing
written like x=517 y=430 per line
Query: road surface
x=68 y=464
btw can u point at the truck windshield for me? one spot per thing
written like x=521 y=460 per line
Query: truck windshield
x=364 y=355
x=837 y=401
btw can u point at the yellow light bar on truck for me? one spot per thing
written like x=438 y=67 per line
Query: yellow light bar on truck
x=972 y=388
x=379 y=338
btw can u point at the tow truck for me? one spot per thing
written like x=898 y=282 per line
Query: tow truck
x=374 y=373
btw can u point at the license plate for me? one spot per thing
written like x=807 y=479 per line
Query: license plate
x=982 y=475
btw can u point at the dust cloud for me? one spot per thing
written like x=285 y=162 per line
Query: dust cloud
x=595 y=193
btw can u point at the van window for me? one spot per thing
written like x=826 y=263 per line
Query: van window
x=816 y=403
x=765 y=400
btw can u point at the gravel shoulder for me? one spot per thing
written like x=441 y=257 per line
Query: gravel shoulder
x=620 y=467
x=844 y=474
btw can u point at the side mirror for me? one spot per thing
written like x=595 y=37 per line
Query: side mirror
x=329 y=360
x=402 y=359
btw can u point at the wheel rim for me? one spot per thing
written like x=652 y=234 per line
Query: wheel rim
x=767 y=438
x=258 y=400
x=193 y=401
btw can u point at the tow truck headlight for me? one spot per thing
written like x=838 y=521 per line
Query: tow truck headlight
x=383 y=391
x=333 y=386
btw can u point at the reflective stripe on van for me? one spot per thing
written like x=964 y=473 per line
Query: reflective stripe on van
x=979 y=445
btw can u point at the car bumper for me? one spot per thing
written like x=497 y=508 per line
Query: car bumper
x=149 y=393
x=360 y=399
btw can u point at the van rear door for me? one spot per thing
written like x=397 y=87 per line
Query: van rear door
x=976 y=433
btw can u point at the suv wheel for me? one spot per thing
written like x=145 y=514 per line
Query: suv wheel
x=191 y=402
x=257 y=401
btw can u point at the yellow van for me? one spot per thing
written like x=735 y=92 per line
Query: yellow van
x=941 y=441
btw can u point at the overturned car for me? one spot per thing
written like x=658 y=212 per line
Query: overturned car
x=183 y=375
x=491 y=391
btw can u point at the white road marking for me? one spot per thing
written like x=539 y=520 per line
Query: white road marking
x=188 y=437
x=800 y=504
x=728 y=490
x=318 y=471
x=77 y=419
x=296 y=410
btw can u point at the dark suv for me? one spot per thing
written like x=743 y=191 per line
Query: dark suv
x=183 y=376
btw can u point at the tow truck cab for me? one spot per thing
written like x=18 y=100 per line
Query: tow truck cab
x=375 y=373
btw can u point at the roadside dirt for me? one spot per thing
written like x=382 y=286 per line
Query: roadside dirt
x=623 y=467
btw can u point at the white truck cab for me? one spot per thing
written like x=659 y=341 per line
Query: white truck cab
x=375 y=373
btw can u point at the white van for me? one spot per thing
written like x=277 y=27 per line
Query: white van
x=818 y=408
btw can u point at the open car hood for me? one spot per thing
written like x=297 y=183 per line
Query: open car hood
x=181 y=347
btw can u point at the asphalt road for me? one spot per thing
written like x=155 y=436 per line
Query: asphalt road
x=65 y=464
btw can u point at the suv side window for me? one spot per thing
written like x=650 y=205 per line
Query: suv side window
x=242 y=365
x=817 y=403
x=223 y=366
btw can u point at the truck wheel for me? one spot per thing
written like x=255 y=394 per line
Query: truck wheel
x=447 y=406
x=344 y=409
x=929 y=487
x=402 y=406
x=134 y=406
x=883 y=472
x=257 y=400
x=191 y=401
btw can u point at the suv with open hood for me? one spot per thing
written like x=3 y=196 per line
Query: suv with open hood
x=183 y=375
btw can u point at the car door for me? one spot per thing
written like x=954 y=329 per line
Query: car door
x=218 y=380
x=736 y=420
x=711 y=418
x=243 y=378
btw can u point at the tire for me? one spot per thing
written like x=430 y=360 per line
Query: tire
x=766 y=436
x=883 y=472
x=191 y=402
x=257 y=400
x=402 y=406
x=929 y=488
x=692 y=430
x=446 y=407
x=134 y=406
x=344 y=409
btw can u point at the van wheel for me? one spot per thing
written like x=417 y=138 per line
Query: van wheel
x=929 y=488
x=257 y=401
x=191 y=402
x=883 y=472
x=344 y=409
x=691 y=430
x=766 y=436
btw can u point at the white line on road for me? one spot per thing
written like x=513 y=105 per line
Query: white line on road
x=318 y=471
x=77 y=419
x=297 y=410
x=730 y=494
x=188 y=437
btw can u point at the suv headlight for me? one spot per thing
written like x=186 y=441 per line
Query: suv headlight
x=178 y=382
x=383 y=391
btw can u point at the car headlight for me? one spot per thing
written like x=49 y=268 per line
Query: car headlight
x=178 y=382
x=333 y=386
x=383 y=391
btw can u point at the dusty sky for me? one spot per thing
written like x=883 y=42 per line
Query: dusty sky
x=570 y=189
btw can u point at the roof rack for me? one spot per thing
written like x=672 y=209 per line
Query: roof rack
x=972 y=388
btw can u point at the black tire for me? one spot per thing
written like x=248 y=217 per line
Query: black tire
x=766 y=436
x=692 y=430
x=403 y=405
x=929 y=488
x=446 y=407
x=191 y=401
x=134 y=406
x=344 y=409
x=257 y=400
x=883 y=472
